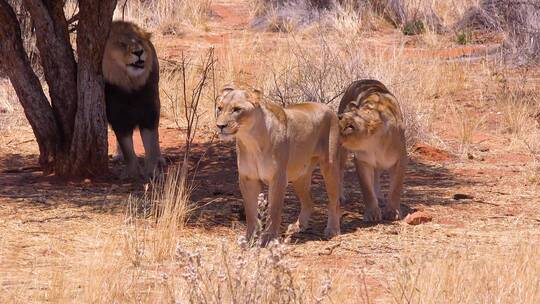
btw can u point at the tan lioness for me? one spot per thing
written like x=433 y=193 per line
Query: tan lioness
x=371 y=126
x=276 y=145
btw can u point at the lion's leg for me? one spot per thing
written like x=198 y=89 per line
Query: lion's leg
x=397 y=174
x=377 y=184
x=125 y=140
x=276 y=194
x=302 y=189
x=152 y=153
x=250 y=190
x=343 y=155
x=366 y=176
x=332 y=180
x=118 y=156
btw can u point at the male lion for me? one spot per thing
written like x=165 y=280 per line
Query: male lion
x=276 y=145
x=371 y=126
x=131 y=72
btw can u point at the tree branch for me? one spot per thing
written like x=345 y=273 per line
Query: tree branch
x=58 y=61
x=14 y=61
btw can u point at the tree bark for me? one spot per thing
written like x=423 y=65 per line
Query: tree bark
x=58 y=61
x=27 y=87
x=88 y=153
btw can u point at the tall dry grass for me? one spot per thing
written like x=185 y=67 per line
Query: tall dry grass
x=410 y=16
x=508 y=275
x=166 y=16
x=188 y=90
x=147 y=258
x=319 y=68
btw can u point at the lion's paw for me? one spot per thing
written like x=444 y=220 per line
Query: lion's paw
x=132 y=171
x=391 y=214
x=372 y=214
x=330 y=232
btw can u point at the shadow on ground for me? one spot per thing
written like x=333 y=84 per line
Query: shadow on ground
x=216 y=195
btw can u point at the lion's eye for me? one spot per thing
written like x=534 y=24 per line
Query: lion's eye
x=219 y=108
x=237 y=109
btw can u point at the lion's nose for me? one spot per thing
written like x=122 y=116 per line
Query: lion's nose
x=138 y=53
x=221 y=127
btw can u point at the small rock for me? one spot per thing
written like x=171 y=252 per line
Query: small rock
x=418 y=217
x=87 y=181
x=461 y=196
x=470 y=156
x=484 y=149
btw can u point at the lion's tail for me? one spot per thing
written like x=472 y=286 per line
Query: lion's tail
x=333 y=142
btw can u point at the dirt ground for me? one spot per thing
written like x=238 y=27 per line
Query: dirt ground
x=47 y=223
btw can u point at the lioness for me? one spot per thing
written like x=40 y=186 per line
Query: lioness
x=371 y=126
x=131 y=71
x=276 y=145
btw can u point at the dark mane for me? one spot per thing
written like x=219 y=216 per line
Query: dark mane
x=359 y=90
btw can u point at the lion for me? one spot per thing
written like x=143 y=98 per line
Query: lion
x=277 y=145
x=131 y=71
x=371 y=126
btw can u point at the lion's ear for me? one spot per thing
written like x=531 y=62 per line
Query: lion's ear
x=255 y=96
x=353 y=105
x=147 y=35
x=227 y=88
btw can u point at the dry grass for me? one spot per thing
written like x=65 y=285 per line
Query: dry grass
x=166 y=16
x=188 y=92
x=319 y=69
x=11 y=114
x=518 y=102
x=356 y=16
x=500 y=276
x=149 y=258
x=468 y=123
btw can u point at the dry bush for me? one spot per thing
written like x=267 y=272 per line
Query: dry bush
x=320 y=70
x=223 y=273
x=503 y=275
x=166 y=16
x=517 y=102
x=188 y=92
x=519 y=20
x=148 y=259
x=157 y=219
x=412 y=16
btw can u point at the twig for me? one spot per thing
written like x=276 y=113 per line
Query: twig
x=487 y=203
x=22 y=169
x=328 y=250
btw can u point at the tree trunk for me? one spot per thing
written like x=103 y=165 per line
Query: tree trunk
x=88 y=153
x=27 y=86
x=72 y=132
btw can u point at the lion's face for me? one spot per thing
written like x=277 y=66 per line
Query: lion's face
x=234 y=113
x=356 y=126
x=128 y=56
